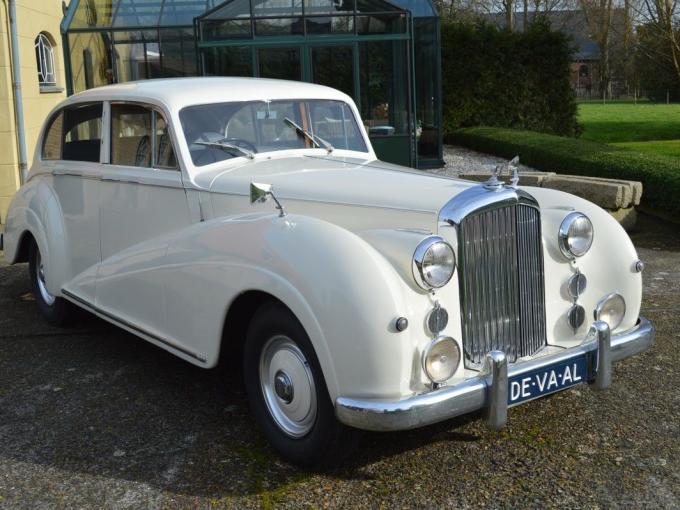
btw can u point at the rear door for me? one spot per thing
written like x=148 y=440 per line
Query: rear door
x=72 y=147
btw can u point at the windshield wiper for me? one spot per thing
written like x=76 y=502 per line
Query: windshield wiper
x=229 y=147
x=315 y=139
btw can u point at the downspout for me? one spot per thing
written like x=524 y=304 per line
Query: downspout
x=16 y=86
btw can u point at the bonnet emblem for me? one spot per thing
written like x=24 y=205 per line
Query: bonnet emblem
x=511 y=167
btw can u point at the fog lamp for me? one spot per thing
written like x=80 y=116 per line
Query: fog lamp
x=611 y=309
x=441 y=359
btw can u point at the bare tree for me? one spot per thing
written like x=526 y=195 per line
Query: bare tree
x=663 y=16
x=598 y=15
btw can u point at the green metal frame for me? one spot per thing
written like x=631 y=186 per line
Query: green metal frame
x=305 y=43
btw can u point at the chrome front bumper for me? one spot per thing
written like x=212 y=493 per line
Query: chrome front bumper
x=489 y=390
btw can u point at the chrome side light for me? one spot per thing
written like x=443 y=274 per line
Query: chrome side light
x=575 y=316
x=434 y=263
x=441 y=359
x=611 y=309
x=575 y=236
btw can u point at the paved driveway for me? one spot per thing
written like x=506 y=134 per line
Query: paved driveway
x=92 y=417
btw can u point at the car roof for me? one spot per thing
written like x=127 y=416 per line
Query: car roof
x=176 y=93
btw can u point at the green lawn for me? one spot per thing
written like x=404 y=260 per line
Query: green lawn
x=647 y=127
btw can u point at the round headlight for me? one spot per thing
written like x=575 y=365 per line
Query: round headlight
x=576 y=235
x=433 y=263
x=441 y=359
x=611 y=310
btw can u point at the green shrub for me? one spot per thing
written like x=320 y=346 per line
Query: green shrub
x=493 y=77
x=660 y=175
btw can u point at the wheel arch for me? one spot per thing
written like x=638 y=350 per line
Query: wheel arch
x=238 y=316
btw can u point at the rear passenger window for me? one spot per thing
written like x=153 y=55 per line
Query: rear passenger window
x=139 y=137
x=74 y=134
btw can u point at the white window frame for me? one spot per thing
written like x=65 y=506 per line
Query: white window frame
x=44 y=52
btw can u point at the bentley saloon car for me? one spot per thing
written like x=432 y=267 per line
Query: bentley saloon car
x=248 y=219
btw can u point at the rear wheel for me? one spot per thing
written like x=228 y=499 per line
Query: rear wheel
x=287 y=391
x=56 y=310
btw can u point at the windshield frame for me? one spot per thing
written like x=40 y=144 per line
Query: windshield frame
x=362 y=134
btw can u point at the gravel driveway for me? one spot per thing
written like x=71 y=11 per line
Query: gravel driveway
x=92 y=417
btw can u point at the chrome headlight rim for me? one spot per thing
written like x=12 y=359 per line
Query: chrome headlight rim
x=604 y=301
x=428 y=350
x=564 y=235
x=419 y=256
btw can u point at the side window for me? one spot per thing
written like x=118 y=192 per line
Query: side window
x=81 y=133
x=165 y=155
x=52 y=142
x=130 y=135
x=135 y=143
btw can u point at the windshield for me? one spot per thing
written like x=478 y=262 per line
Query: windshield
x=216 y=132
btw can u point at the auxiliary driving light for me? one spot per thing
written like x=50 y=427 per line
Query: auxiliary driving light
x=441 y=359
x=611 y=309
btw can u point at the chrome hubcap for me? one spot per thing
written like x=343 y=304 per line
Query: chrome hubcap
x=284 y=387
x=44 y=293
x=288 y=386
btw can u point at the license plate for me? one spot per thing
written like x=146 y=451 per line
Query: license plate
x=543 y=381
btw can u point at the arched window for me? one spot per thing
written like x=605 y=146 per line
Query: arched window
x=44 y=55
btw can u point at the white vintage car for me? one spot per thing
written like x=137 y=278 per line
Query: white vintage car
x=250 y=218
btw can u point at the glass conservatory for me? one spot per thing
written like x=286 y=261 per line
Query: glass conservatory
x=385 y=54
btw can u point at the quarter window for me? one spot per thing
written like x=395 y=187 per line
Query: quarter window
x=74 y=134
x=134 y=142
x=44 y=55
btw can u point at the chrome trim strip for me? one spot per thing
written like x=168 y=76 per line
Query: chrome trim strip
x=83 y=303
x=480 y=392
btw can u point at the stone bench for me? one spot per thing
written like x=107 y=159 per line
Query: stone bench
x=616 y=196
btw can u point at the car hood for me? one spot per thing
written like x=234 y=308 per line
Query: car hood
x=306 y=184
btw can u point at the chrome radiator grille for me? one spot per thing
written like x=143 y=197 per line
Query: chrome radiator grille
x=501 y=282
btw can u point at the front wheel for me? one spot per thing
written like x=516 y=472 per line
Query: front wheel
x=287 y=391
x=56 y=310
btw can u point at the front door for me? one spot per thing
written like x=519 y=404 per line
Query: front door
x=142 y=199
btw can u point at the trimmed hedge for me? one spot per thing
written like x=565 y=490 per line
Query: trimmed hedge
x=493 y=77
x=660 y=176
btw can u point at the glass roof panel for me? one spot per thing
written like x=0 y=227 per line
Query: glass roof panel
x=92 y=13
x=329 y=7
x=183 y=12
x=83 y=14
x=418 y=8
x=230 y=9
x=277 y=8
x=137 y=13
x=375 y=6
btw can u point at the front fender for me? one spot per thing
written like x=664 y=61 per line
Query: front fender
x=609 y=265
x=346 y=295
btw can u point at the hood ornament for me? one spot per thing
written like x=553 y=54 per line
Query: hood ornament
x=511 y=167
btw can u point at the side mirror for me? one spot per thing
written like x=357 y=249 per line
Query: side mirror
x=260 y=193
